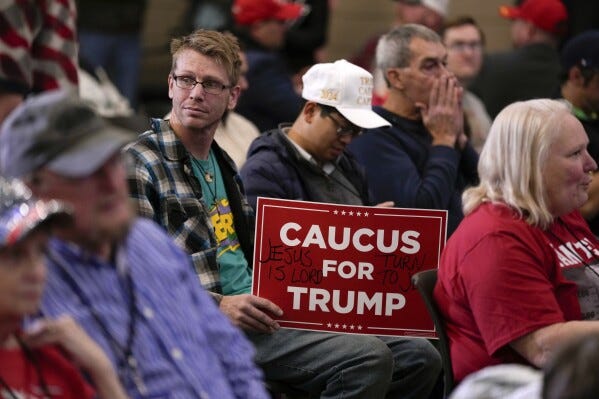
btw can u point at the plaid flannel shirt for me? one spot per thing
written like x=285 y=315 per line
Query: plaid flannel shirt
x=164 y=188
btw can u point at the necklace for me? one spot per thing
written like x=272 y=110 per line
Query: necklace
x=210 y=179
x=208 y=174
x=31 y=358
x=124 y=353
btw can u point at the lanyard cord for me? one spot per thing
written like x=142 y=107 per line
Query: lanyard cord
x=586 y=265
x=208 y=178
x=125 y=353
x=31 y=358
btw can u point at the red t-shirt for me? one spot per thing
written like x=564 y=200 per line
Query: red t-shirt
x=62 y=378
x=500 y=279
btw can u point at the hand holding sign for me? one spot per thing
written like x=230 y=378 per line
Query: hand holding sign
x=251 y=313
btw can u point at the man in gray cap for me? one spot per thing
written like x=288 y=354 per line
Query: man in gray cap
x=122 y=278
x=580 y=90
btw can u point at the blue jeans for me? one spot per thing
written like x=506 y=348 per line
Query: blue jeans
x=345 y=366
x=118 y=54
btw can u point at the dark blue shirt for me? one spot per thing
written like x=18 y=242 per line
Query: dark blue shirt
x=403 y=166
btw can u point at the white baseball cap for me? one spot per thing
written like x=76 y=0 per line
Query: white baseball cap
x=345 y=86
x=439 y=6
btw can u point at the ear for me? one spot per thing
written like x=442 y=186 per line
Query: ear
x=395 y=77
x=255 y=29
x=233 y=97
x=531 y=30
x=575 y=76
x=309 y=111
x=171 y=82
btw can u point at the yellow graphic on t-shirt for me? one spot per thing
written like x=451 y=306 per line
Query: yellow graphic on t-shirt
x=224 y=228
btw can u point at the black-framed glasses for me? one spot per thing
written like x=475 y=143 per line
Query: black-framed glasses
x=209 y=86
x=345 y=129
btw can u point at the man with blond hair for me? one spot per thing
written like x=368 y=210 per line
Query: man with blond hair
x=180 y=177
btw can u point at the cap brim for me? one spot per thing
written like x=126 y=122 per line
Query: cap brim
x=508 y=12
x=289 y=11
x=364 y=118
x=86 y=157
x=23 y=218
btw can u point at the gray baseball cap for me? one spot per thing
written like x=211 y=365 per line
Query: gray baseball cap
x=57 y=130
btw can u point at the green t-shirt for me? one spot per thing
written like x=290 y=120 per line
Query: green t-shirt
x=235 y=274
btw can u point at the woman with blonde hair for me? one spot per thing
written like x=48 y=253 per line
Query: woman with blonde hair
x=520 y=275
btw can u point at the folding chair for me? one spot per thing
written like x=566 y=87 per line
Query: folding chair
x=425 y=283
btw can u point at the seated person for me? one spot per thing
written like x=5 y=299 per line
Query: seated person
x=271 y=97
x=307 y=160
x=121 y=277
x=519 y=276
x=40 y=361
x=424 y=159
x=180 y=177
x=465 y=41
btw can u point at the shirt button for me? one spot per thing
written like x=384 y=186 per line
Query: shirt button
x=148 y=313
x=176 y=354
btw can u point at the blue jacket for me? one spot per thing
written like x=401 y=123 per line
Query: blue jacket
x=402 y=166
x=270 y=98
x=274 y=169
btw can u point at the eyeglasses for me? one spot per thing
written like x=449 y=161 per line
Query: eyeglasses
x=346 y=129
x=463 y=46
x=209 y=86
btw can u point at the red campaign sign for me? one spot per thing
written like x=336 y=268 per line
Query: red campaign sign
x=343 y=268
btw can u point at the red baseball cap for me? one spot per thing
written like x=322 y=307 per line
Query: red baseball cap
x=549 y=15
x=246 y=12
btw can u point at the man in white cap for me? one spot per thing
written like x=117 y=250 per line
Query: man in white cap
x=307 y=160
x=429 y=13
x=181 y=178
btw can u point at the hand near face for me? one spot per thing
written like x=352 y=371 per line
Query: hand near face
x=443 y=115
x=251 y=313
